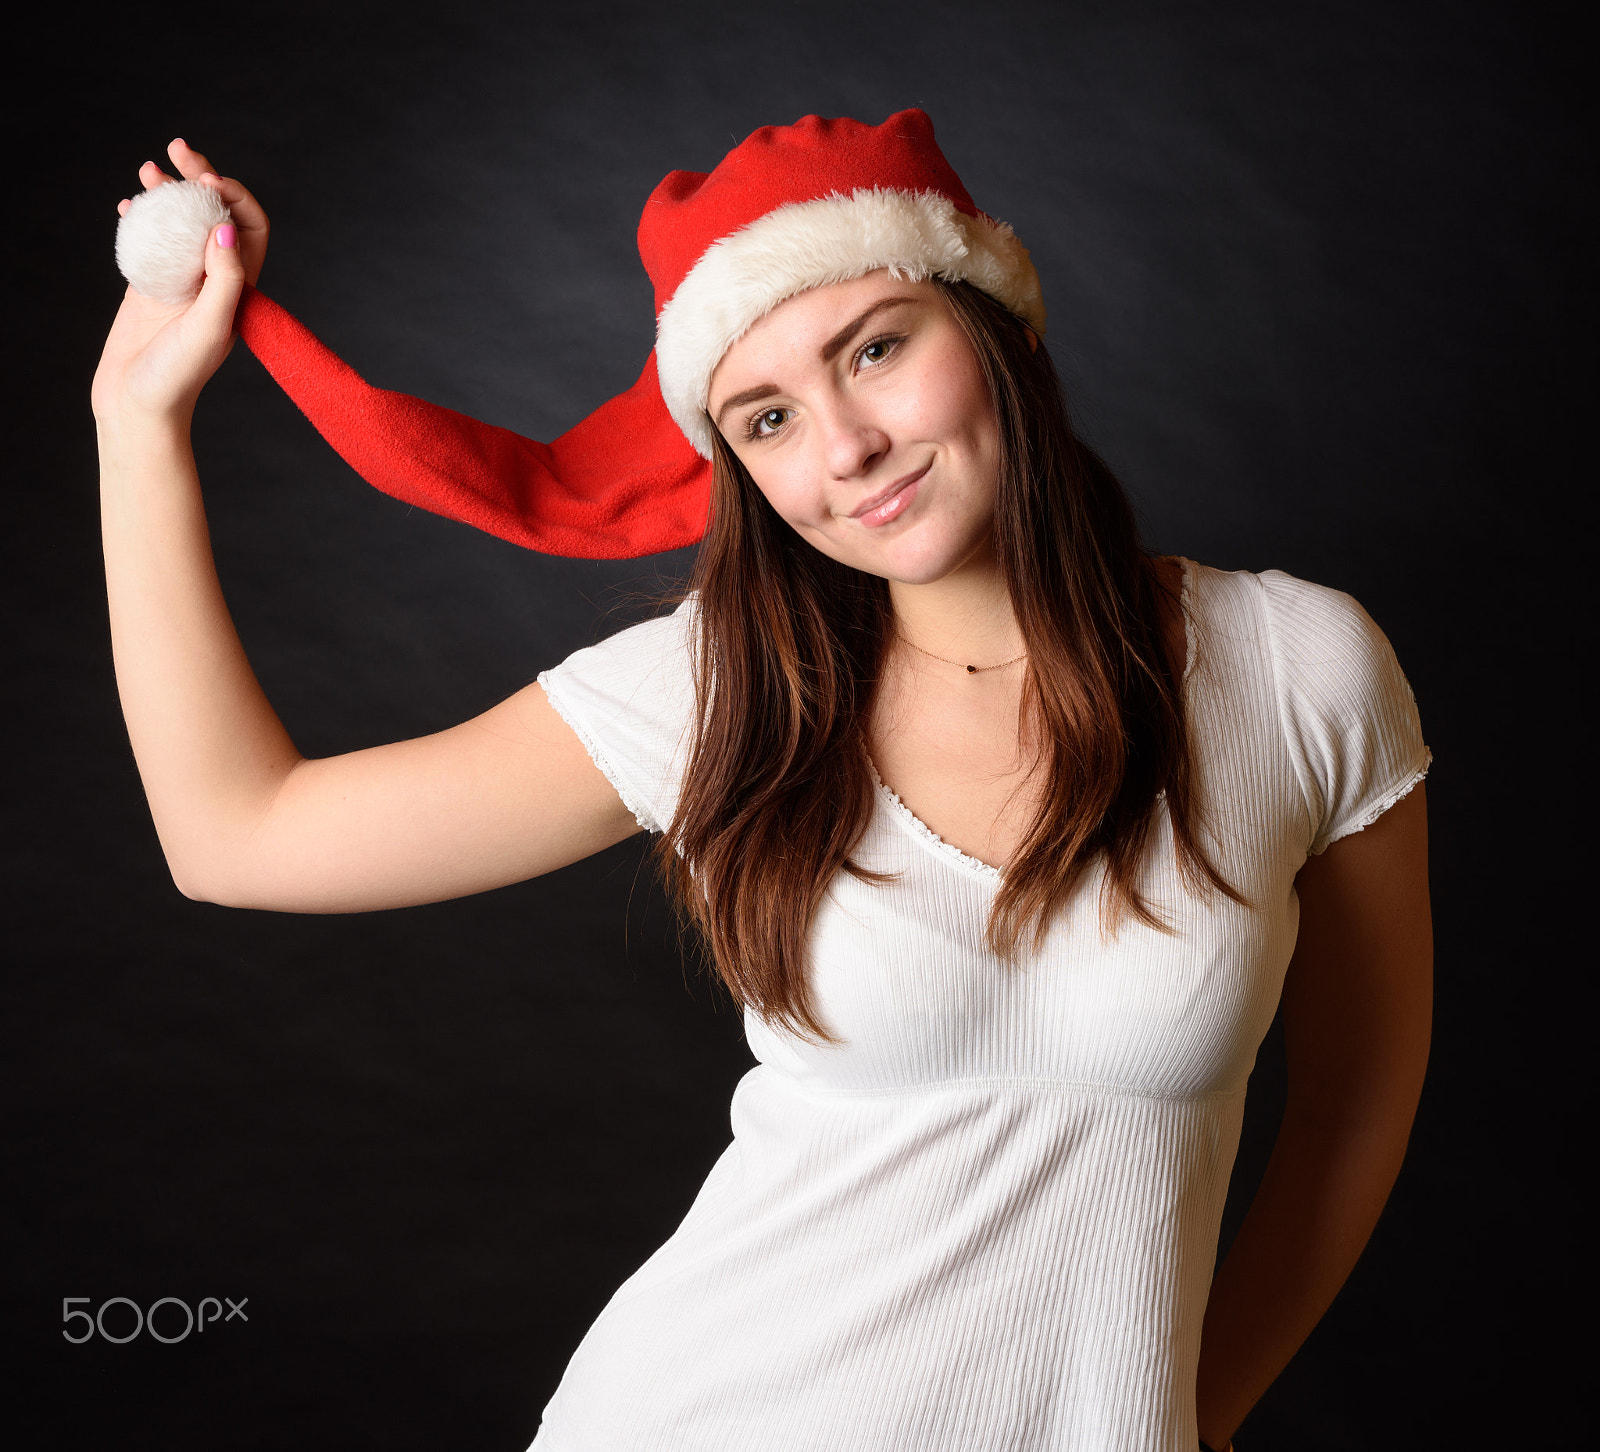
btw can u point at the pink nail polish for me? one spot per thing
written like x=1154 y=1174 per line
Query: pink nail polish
x=227 y=236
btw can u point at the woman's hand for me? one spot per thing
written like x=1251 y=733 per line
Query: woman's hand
x=159 y=355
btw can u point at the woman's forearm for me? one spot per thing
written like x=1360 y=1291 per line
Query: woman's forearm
x=1319 y=1200
x=210 y=749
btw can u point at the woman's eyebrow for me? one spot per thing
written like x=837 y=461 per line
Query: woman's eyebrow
x=750 y=395
x=830 y=349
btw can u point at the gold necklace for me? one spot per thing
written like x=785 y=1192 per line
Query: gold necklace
x=971 y=670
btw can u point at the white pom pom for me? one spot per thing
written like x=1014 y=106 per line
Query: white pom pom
x=161 y=242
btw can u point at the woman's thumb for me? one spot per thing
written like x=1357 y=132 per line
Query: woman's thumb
x=219 y=293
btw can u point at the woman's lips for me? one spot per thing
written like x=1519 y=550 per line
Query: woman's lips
x=893 y=502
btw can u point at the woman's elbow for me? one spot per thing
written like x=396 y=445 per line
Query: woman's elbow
x=210 y=873
x=199 y=884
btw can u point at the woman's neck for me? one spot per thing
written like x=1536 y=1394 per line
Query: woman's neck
x=966 y=616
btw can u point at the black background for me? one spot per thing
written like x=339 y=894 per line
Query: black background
x=1313 y=281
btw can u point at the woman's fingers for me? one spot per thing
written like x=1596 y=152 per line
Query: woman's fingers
x=248 y=214
x=247 y=211
x=196 y=168
x=151 y=176
x=191 y=165
x=250 y=218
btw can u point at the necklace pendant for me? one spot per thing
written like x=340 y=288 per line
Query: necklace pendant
x=972 y=670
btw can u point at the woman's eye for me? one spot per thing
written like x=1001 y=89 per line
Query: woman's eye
x=877 y=350
x=769 y=422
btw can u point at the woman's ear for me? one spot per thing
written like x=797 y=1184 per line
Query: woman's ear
x=1033 y=339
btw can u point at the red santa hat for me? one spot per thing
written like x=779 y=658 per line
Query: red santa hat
x=795 y=207
x=790 y=208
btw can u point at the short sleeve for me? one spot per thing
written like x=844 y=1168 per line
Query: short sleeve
x=630 y=699
x=1348 y=714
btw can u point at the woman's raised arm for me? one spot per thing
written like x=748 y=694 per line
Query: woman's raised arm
x=244 y=819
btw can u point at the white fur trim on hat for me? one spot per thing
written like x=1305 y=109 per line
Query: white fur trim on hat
x=740 y=279
x=161 y=242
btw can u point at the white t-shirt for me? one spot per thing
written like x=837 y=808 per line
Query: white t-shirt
x=988 y=1218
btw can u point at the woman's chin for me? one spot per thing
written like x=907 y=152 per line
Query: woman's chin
x=914 y=567
x=919 y=559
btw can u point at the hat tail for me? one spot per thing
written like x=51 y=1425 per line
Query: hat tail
x=623 y=483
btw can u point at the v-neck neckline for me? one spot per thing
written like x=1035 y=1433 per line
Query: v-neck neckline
x=921 y=832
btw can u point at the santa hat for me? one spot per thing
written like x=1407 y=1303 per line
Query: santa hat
x=790 y=208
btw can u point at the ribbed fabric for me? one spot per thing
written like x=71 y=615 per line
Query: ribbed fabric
x=988 y=1219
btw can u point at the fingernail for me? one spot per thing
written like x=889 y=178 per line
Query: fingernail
x=227 y=236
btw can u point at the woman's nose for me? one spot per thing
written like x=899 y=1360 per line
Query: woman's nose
x=852 y=442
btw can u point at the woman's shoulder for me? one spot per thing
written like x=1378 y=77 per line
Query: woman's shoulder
x=1344 y=706
x=630 y=699
x=1273 y=590
x=1298 y=622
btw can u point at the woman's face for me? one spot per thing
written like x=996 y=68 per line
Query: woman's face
x=861 y=412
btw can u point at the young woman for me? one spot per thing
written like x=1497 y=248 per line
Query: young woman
x=1006 y=835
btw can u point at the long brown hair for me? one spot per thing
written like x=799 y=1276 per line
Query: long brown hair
x=779 y=788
